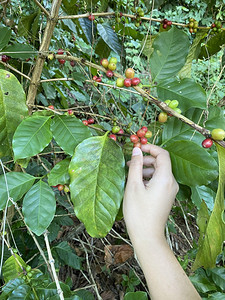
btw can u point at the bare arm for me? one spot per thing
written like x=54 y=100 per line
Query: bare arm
x=146 y=208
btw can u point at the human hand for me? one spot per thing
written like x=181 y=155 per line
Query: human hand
x=147 y=203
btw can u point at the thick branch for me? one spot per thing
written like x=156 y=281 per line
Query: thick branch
x=52 y=20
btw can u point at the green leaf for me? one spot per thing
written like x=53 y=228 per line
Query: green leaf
x=39 y=207
x=216 y=296
x=59 y=174
x=136 y=296
x=18 y=184
x=13 y=267
x=97 y=181
x=186 y=91
x=23 y=292
x=202 y=283
x=213 y=45
x=26 y=23
x=215 y=231
x=84 y=295
x=102 y=49
x=185 y=72
x=31 y=136
x=68 y=131
x=5 y=34
x=49 y=89
x=12 y=111
x=192 y=165
x=203 y=192
x=202 y=221
x=170 y=51
x=110 y=37
x=10 y=286
x=66 y=254
x=22 y=51
x=88 y=28
x=218 y=277
x=215 y=118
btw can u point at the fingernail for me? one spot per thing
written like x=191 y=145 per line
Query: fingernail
x=136 y=151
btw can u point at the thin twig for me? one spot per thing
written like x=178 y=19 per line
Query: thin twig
x=42 y=8
x=15 y=70
x=51 y=262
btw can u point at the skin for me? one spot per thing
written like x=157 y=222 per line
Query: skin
x=146 y=207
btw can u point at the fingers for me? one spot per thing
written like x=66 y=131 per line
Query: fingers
x=135 y=167
x=148 y=172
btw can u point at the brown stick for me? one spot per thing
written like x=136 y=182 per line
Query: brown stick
x=52 y=20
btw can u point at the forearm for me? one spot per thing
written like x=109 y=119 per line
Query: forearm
x=164 y=275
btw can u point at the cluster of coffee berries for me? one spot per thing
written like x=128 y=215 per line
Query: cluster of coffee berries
x=166 y=23
x=97 y=78
x=163 y=116
x=139 y=12
x=61 y=60
x=216 y=134
x=130 y=80
x=88 y=121
x=62 y=187
x=141 y=137
x=116 y=130
x=193 y=25
x=5 y=58
x=216 y=27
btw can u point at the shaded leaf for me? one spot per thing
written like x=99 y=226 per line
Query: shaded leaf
x=59 y=174
x=215 y=231
x=202 y=283
x=10 y=286
x=202 y=221
x=109 y=37
x=102 y=49
x=68 y=131
x=88 y=28
x=31 y=136
x=22 y=292
x=18 y=184
x=5 y=34
x=203 y=192
x=22 y=51
x=192 y=165
x=213 y=45
x=186 y=91
x=170 y=52
x=97 y=180
x=67 y=255
x=216 y=118
x=39 y=207
x=12 y=111
x=218 y=277
x=13 y=267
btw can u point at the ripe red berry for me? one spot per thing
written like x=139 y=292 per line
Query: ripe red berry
x=169 y=23
x=141 y=133
x=164 y=26
x=144 y=128
x=138 y=144
x=134 y=138
x=5 y=58
x=207 y=143
x=112 y=136
x=165 y=21
x=60 y=187
x=90 y=121
x=121 y=131
x=98 y=79
x=85 y=122
x=70 y=112
x=127 y=82
x=109 y=74
x=95 y=77
x=129 y=73
x=144 y=140
x=61 y=61
x=91 y=17
x=121 y=14
x=51 y=107
x=135 y=81
x=60 y=51
x=72 y=63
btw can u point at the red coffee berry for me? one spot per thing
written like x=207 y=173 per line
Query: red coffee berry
x=70 y=112
x=135 y=81
x=121 y=14
x=144 y=140
x=112 y=136
x=169 y=23
x=109 y=74
x=141 y=133
x=98 y=79
x=207 y=143
x=90 y=121
x=5 y=58
x=60 y=187
x=60 y=51
x=85 y=122
x=72 y=63
x=121 y=131
x=165 y=21
x=138 y=144
x=95 y=77
x=144 y=128
x=51 y=107
x=134 y=138
x=61 y=61
x=91 y=17
x=164 y=26
x=127 y=82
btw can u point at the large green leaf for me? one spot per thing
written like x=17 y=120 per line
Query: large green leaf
x=97 y=181
x=218 y=277
x=192 y=164
x=202 y=283
x=10 y=287
x=213 y=45
x=21 y=51
x=5 y=34
x=186 y=91
x=170 y=52
x=214 y=235
x=18 y=184
x=59 y=174
x=31 y=136
x=39 y=207
x=174 y=129
x=69 y=132
x=203 y=192
x=12 y=109
x=13 y=267
x=109 y=37
x=136 y=296
x=89 y=29
x=66 y=254
x=22 y=292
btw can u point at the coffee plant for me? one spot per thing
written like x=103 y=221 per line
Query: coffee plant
x=81 y=83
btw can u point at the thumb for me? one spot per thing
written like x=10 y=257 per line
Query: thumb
x=135 y=167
